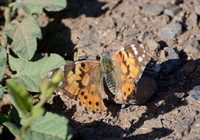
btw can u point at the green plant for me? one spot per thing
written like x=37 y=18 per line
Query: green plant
x=20 y=37
x=34 y=123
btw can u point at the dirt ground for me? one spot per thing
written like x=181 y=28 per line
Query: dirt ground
x=170 y=109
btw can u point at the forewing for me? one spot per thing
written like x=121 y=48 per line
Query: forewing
x=82 y=82
x=130 y=61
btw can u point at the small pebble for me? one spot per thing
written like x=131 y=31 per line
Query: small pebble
x=193 y=18
x=194 y=94
x=171 y=30
x=176 y=2
x=197 y=6
x=154 y=10
x=153 y=45
x=173 y=54
x=172 y=11
x=193 y=49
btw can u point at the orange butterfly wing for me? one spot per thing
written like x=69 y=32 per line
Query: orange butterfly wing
x=131 y=61
x=82 y=82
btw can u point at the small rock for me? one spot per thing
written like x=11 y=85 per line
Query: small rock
x=172 y=11
x=173 y=54
x=171 y=65
x=193 y=49
x=197 y=6
x=197 y=124
x=153 y=123
x=179 y=95
x=153 y=45
x=163 y=56
x=176 y=2
x=131 y=32
x=171 y=30
x=193 y=19
x=194 y=94
x=189 y=67
x=166 y=19
x=154 y=10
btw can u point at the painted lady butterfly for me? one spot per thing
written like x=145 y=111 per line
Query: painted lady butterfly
x=84 y=80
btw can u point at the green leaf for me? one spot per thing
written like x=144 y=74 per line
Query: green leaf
x=13 y=129
x=3 y=59
x=4 y=118
x=30 y=73
x=21 y=98
x=24 y=36
x=50 y=126
x=2 y=89
x=37 y=112
x=47 y=87
x=1 y=130
x=36 y=6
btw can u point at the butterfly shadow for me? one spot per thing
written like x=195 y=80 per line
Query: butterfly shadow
x=171 y=92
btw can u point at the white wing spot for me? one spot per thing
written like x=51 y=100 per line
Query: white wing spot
x=142 y=46
x=62 y=68
x=60 y=93
x=134 y=49
x=50 y=74
x=140 y=59
x=143 y=55
x=60 y=83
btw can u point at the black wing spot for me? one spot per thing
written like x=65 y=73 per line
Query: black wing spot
x=127 y=54
x=90 y=102
x=124 y=93
x=129 y=89
x=97 y=103
x=73 y=70
x=79 y=103
x=120 y=53
x=82 y=93
x=81 y=70
x=85 y=97
x=83 y=65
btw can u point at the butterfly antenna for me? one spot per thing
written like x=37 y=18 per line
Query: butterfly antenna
x=116 y=36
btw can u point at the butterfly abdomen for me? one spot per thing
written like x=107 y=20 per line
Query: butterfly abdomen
x=111 y=83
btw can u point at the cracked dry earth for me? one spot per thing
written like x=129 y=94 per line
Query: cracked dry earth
x=168 y=103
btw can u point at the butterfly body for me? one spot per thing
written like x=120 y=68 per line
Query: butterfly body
x=84 y=80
